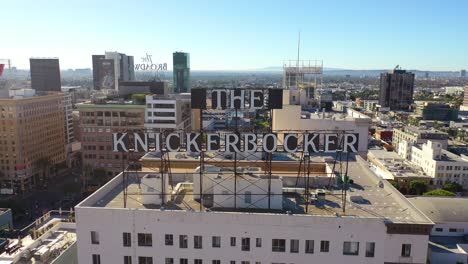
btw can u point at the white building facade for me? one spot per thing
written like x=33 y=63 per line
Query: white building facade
x=168 y=112
x=440 y=164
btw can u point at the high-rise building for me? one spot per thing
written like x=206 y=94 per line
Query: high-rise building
x=97 y=123
x=45 y=74
x=112 y=68
x=396 y=89
x=33 y=138
x=181 y=72
x=463 y=73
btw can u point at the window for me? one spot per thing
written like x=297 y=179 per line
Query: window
x=233 y=241
x=94 y=238
x=245 y=262
x=324 y=246
x=370 y=249
x=183 y=241
x=216 y=262
x=127 y=239
x=232 y=262
x=309 y=246
x=127 y=259
x=145 y=260
x=294 y=246
x=197 y=261
x=169 y=240
x=169 y=261
x=406 y=250
x=439 y=229
x=197 y=241
x=245 y=241
x=278 y=245
x=452 y=230
x=145 y=240
x=96 y=259
x=183 y=261
x=248 y=197
x=258 y=242
x=350 y=248
x=216 y=241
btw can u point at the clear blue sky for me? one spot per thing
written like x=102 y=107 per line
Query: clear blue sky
x=225 y=35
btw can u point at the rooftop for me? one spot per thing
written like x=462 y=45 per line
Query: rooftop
x=442 y=209
x=45 y=243
x=389 y=165
x=420 y=130
x=367 y=197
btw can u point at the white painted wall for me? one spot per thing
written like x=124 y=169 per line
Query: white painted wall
x=110 y=223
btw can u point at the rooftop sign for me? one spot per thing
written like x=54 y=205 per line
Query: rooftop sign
x=238 y=99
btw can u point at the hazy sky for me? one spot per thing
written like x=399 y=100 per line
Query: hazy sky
x=232 y=35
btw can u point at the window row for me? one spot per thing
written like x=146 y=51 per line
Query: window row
x=277 y=245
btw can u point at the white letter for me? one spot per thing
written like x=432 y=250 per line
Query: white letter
x=350 y=144
x=118 y=141
x=139 y=141
x=168 y=141
x=218 y=98
x=210 y=140
x=265 y=141
x=254 y=98
x=329 y=140
x=250 y=139
x=230 y=144
x=310 y=142
x=192 y=141
x=285 y=143
x=237 y=97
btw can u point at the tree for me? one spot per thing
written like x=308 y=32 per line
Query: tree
x=453 y=187
x=395 y=184
x=439 y=193
x=418 y=187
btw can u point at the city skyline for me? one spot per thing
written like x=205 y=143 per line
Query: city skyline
x=241 y=35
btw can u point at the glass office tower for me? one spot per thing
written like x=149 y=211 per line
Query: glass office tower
x=181 y=72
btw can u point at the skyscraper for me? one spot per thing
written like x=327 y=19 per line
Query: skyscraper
x=463 y=73
x=112 y=68
x=396 y=89
x=181 y=72
x=45 y=74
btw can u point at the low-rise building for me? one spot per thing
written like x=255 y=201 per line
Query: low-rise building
x=437 y=111
x=405 y=137
x=443 y=166
x=378 y=225
x=448 y=242
x=50 y=239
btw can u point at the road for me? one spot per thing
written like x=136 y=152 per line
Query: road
x=62 y=192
